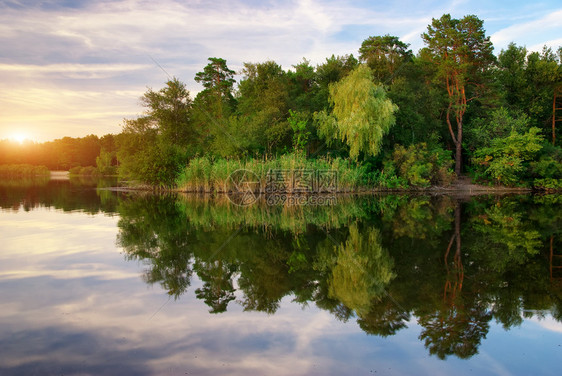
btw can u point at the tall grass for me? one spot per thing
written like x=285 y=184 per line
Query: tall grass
x=23 y=170
x=211 y=176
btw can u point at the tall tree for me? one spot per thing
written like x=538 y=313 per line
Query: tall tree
x=385 y=55
x=332 y=70
x=511 y=75
x=213 y=105
x=463 y=54
x=218 y=81
x=263 y=100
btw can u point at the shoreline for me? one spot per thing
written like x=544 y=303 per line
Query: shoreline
x=472 y=190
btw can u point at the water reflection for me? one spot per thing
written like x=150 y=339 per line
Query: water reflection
x=452 y=265
x=452 y=268
x=87 y=194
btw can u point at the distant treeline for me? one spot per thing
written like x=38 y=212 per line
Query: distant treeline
x=61 y=154
x=23 y=170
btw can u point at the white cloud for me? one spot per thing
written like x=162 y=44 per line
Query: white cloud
x=549 y=324
x=531 y=32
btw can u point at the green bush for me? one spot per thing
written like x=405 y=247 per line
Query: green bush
x=420 y=166
x=507 y=160
x=548 y=184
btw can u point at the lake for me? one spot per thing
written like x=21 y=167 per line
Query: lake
x=102 y=282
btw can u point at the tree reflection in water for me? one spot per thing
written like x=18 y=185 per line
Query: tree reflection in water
x=381 y=260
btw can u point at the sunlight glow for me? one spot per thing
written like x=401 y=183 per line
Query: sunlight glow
x=20 y=138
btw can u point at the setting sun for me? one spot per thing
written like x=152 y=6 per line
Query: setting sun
x=20 y=138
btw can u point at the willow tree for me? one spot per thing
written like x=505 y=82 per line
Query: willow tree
x=361 y=271
x=361 y=114
x=462 y=54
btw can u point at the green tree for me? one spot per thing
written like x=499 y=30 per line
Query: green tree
x=511 y=75
x=217 y=78
x=331 y=71
x=303 y=88
x=361 y=115
x=214 y=105
x=104 y=163
x=169 y=110
x=264 y=102
x=499 y=123
x=153 y=148
x=463 y=54
x=298 y=123
x=507 y=159
x=385 y=55
x=216 y=101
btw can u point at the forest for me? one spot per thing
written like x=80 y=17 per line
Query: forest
x=387 y=118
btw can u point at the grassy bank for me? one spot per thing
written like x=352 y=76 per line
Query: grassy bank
x=206 y=175
x=408 y=168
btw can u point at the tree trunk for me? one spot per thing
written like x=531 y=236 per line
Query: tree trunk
x=458 y=159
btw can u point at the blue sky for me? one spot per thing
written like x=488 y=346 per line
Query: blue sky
x=72 y=68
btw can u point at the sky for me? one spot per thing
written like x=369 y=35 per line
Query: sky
x=73 y=68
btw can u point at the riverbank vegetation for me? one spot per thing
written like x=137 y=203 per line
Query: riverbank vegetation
x=386 y=119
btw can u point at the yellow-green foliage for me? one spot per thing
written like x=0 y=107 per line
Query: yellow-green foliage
x=362 y=113
x=361 y=271
x=548 y=184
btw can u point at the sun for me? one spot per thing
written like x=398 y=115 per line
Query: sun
x=20 y=138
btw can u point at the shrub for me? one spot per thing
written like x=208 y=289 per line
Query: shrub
x=507 y=160
x=548 y=184
x=547 y=167
x=420 y=166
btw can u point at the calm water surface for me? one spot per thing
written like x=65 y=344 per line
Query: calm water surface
x=96 y=282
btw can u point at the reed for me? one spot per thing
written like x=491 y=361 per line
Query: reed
x=211 y=176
